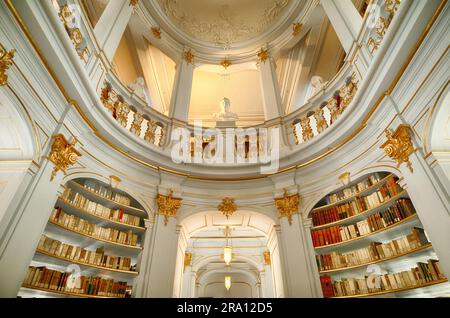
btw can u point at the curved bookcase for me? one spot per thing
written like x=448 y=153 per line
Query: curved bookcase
x=100 y=211
x=396 y=247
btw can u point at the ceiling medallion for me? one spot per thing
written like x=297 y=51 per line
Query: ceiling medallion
x=156 y=32
x=188 y=56
x=288 y=205
x=168 y=205
x=63 y=154
x=263 y=55
x=227 y=207
x=296 y=28
x=225 y=63
x=5 y=63
x=398 y=145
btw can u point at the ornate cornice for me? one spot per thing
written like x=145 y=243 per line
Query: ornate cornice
x=227 y=207
x=63 y=154
x=168 y=205
x=398 y=145
x=288 y=205
x=6 y=60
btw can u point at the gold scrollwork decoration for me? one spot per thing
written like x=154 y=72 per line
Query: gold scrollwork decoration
x=156 y=32
x=399 y=146
x=266 y=257
x=262 y=55
x=187 y=259
x=296 y=28
x=287 y=205
x=5 y=62
x=63 y=154
x=168 y=205
x=227 y=207
x=188 y=56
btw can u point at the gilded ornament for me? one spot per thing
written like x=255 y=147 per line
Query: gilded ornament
x=156 y=32
x=63 y=154
x=187 y=259
x=137 y=123
x=296 y=28
x=168 y=205
x=307 y=132
x=133 y=3
x=6 y=60
x=288 y=205
x=188 y=56
x=398 y=145
x=266 y=256
x=263 y=55
x=321 y=122
x=225 y=63
x=227 y=207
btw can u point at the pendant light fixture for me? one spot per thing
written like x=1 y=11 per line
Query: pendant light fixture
x=228 y=282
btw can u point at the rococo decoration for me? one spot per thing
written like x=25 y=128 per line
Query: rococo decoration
x=398 y=145
x=168 y=205
x=188 y=56
x=5 y=63
x=225 y=63
x=133 y=3
x=288 y=205
x=227 y=207
x=187 y=259
x=296 y=28
x=63 y=154
x=156 y=32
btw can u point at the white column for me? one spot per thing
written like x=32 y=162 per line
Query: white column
x=299 y=278
x=161 y=271
x=21 y=237
x=267 y=287
x=346 y=20
x=182 y=88
x=189 y=280
x=111 y=25
x=432 y=206
x=270 y=89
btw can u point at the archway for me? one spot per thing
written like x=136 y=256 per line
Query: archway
x=255 y=267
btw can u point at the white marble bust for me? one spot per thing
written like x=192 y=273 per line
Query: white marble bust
x=225 y=114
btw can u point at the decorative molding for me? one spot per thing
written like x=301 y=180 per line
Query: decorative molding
x=263 y=55
x=63 y=154
x=188 y=56
x=398 y=145
x=168 y=205
x=296 y=28
x=134 y=3
x=266 y=257
x=156 y=32
x=6 y=60
x=288 y=205
x=227 y=207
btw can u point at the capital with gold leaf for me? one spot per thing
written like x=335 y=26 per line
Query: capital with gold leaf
x=266 y=257
x=399 y=146
x=5 y=62
x=287 y=205
x=227 y=207
x=63 y=154
x=168 y=205
x=187 y=259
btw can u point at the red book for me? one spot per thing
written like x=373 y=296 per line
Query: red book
x=327 y=286
x=120 y=214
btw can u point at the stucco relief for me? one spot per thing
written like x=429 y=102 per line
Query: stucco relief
x=224 y=22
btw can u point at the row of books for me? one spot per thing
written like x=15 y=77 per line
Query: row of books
x=375 y=251
x=76 y=253
x=353 y=190
x=357 y=205
x=78 y=200
x=422 y=274
x=107 y=193
x=83 y=226
x=42 y=277
x=402 y=209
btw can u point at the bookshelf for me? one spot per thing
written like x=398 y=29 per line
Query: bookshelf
x=370 y=242
x=91 y=244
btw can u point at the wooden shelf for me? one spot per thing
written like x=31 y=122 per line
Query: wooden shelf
x=93 y=237
x=357 y=194
x=60 y=292
x=341 y=269
x=384 y=292
x=73 y=209
x=68 y=260
x=364 y=213
x=369 y=234
x=91 y=195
